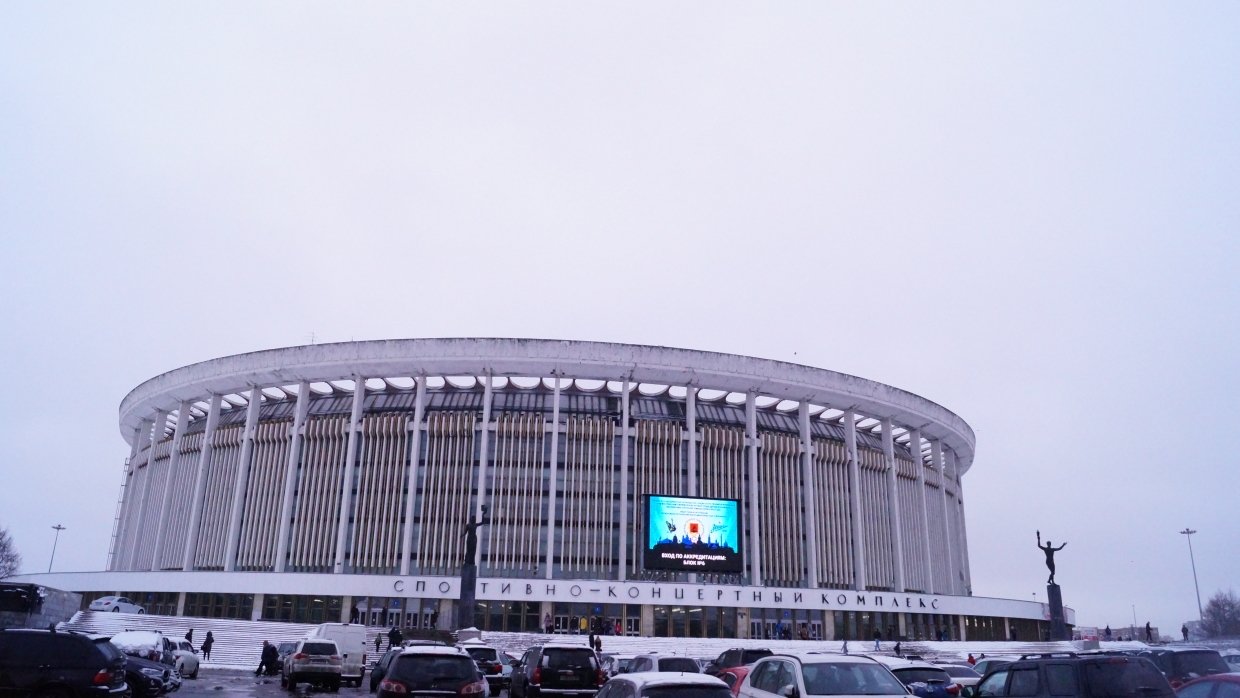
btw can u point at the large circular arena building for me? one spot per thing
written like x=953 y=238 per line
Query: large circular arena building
x=671 y=492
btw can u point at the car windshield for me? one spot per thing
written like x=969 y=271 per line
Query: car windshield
x=319 y=648
x=961 y=672
x=482 y=653
x=694 y=691
x=1123 y=677
x=679 y=664
x=751 y=656
x=109 y=650
x=1200 y=663
x=926 y=675
x=838 y=679
x=569 y=658
x=429 y=670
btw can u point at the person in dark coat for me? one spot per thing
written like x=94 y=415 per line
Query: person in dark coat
x=394 y=637
x=267 y=663
x=189 y=636
x=206 y=645
x=378 y=640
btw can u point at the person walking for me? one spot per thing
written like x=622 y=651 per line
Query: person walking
x=877 y=640
x=898 y=654
x=1149 y=632
x=548 y=627
x=394 y=637
x=378 y=641
x=1184 y=631
x=206 y=645
x=971 y=660
x=189 y=636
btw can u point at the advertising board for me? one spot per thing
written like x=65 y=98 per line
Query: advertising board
x=692 y=534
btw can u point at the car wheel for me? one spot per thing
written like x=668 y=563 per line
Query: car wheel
x=292 y=684
x=141 y=611
x=115 y=609
x=334 y=686
x=495 y=690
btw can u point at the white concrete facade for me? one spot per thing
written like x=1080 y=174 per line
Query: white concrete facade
x=362 y=461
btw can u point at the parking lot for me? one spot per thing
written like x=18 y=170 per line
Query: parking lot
x=232 y=682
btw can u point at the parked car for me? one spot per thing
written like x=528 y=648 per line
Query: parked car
x=984 y=665
x=147 y=644
x=615 y=663
x=37 y=662
x=665 y=685
x=964 y=676
x=1232 y=657
x=350 y=639
x=737 y=656
x=283 y=650
x=668 y=662
x=1183 y=664
x=431 y=670
x=733 y=677
x=186 y=658
x=923 y=679
x=380 y=668
x=147 y=678
x=315 y=661
x=489 y=663
x=1213 y=686
x=561 y=669
x=819 y=674
x=115 y=604
x=1070 y=675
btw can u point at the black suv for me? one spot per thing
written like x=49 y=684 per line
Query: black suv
x=60 y=663
x=1183 y=664
x=737 y=656
x=1070 y=675
x=557 y=669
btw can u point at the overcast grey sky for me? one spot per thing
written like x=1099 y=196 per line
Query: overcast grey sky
x=1027 y=212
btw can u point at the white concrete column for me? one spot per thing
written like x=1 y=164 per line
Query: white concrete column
x=854 y=503
x=936 y=448
x=119 y=530
x=243 y=476
x=914 y=444
x=691 y=439
x=962 y=540
x=346 y=485
x=555 y=468
x=755 y=537
x=174 y=460
x=893 y=496
x=415 y=462
x=153 y=431
x=200 y=483
x=624 y=481
x=295 y=437
x=808 y=501
x=484 y=457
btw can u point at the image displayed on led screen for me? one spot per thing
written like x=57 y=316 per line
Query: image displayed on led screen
x=692 y=534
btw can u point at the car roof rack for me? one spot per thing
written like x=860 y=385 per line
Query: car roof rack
x=1050 y=655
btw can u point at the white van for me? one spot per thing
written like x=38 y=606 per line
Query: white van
x=351 y=639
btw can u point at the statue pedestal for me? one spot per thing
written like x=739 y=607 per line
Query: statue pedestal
x=1059 y=629
x=465 y=605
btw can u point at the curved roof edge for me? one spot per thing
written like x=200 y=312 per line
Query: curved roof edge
x=541 y=358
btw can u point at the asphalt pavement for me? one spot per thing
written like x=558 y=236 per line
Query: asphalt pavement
x=233 y=682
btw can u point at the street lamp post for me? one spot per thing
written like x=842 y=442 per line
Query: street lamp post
x=56 y=540
x=1188 y=533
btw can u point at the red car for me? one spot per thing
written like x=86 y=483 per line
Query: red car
x=733 y=676
x=1215 y=686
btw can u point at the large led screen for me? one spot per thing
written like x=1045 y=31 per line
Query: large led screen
x=693 y=534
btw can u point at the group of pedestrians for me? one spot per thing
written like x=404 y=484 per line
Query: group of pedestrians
x=206 y=644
